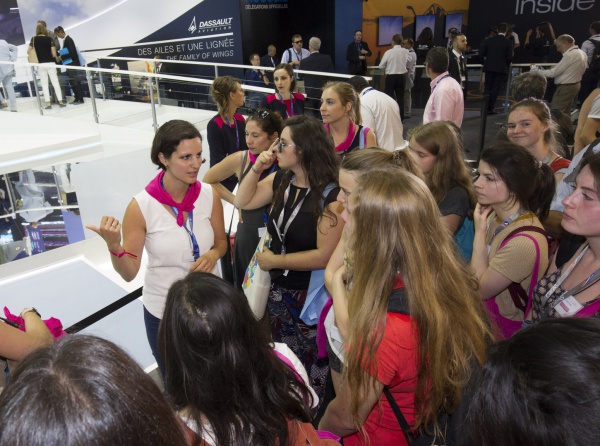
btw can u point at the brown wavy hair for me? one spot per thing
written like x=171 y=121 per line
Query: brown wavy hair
x=375 y=158
x=451 y=323
x=443 y=140
x=220 y=90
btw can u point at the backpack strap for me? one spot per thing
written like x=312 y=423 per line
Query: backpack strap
x=362 y=139
x=408 y=435
x=520 y=298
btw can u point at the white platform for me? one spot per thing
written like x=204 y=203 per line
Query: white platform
x=110 y=163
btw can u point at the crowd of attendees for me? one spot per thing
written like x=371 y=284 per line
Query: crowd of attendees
x=461 y=306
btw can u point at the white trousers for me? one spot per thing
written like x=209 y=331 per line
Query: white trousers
x=48 y=70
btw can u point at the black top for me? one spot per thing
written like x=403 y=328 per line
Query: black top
x=497 y=52
x=70 y=45
x=272 y=102
x=302 y=233
x=455 y=202
x=224 y=140
x=43 y=45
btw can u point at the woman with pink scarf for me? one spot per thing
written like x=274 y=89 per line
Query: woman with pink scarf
x=178 y=219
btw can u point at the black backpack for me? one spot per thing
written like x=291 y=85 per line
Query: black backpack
x=595 y=62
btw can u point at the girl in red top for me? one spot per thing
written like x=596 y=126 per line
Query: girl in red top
x=395 y=237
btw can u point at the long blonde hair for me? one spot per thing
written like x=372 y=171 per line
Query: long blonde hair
x=443 y=140
x=397 y=229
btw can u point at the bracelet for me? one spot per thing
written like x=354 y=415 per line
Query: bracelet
x=121 y=254
x=29 y=310
x=256 y=171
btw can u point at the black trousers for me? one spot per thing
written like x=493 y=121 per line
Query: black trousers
x=75 y=84
x=493 y=84
x=394 y=88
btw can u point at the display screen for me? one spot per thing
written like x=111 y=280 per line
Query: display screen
x=425 y=21
x=388 y=27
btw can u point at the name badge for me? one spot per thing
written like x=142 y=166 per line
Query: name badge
x=261 y=231
x=568 y=307
x=463 y=79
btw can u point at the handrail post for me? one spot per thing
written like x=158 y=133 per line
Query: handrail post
x=152 y=105
x=37 y=91
x=506 y=103
x=101 y=81
x=92 y=95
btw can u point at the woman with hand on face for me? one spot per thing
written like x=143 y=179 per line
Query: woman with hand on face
x=510 y=248
x=530 y=125
x=176 y=218
x=340 y=110
x=225 y=132
x=262 y=129
x=304 y=226
x=284 y=101
x=573 y=289
x=407 y=296
x=438 y=148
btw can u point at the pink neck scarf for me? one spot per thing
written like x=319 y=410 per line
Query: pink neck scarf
x=345 y=145
x=156 y=190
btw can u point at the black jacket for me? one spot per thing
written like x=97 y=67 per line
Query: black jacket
x=316 y=62
x=454 y=70
x=498 y=53
x=356 y=65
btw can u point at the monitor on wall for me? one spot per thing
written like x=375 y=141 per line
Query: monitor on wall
x=422 y=22
x=388 y=27
x=453 y=21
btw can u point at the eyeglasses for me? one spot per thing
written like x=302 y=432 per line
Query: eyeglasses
x=297 y=41
x=281 y=145
x=262 y=114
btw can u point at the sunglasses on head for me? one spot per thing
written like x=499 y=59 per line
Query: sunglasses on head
x=262 y=114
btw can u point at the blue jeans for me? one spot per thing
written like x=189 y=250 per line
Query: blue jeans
x=152 y=323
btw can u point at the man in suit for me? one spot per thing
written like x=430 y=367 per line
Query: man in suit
x=270 y=60
x=356 y=55
x=313 y=83
x=457 y=66
x=69 y=44
x=497 y=52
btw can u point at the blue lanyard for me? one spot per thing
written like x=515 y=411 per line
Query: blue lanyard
x=366 y=90
x=280 y=99
x=438 y=82
x=237 y=133
x=195 y=247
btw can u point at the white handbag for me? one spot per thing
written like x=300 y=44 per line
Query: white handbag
x=257 y=282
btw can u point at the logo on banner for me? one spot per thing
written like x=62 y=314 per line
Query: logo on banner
x=544 y=6
x=210 y=25
x=192 y=27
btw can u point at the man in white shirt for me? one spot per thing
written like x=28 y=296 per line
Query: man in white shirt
x=394 y=62
x=294 y=56
x=567 y=73
x=380 y=113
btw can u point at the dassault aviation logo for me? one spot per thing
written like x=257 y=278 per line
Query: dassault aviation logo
x=210 y=25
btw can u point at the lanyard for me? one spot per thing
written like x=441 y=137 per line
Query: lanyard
x=195 y=247
x=438 y=82
x=292 y=99
x=281 y=233
x=504 y=224
x=237 y=133
x=366 y=90
x=582 y=286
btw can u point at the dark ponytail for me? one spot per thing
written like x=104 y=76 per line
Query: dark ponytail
x=528 y=182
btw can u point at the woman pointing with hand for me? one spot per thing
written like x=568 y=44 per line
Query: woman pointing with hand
x=176 y=218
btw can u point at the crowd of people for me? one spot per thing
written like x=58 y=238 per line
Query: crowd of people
x=452 y=306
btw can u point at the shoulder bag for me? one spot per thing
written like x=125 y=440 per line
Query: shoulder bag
x=32 y=55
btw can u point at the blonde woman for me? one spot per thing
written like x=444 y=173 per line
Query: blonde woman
x=415 y=327
x=340 y=110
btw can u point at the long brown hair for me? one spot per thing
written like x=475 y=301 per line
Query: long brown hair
x=371 y=158
x=397 y=229
x=443 y=140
